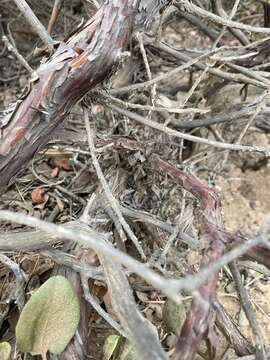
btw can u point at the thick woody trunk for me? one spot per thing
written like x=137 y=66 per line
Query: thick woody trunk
x=77 y=66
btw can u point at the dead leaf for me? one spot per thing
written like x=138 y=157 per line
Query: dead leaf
x=38 y=196
x=64 y=164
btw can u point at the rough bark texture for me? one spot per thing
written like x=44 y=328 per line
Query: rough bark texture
x=77 y=66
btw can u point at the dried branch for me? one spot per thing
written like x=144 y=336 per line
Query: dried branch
x=34 y=22
x=54 y=15
x=250 y=313
x=174 y=133
x=62 y=258
x=215 y=239
x=181 y=55
x=90 y=238
x=227 y=326
x=236 y=32
x=192 y=8
x=15 y=51
x=77 y=66
x=21 y=279
x=88 y=297
x=145 y=342
x=112 y=200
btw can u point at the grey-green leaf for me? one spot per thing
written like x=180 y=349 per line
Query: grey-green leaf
x=50 y=318
x=5 y=351
x=174 y=316
x=111 y=344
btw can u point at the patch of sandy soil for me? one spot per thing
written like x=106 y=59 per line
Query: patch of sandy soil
x=244 y=193
x=246 y=203
x=259 y=294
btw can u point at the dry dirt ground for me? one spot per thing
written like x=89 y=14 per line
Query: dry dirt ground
x=243 y=193
x=246 y=206
x=243 y=184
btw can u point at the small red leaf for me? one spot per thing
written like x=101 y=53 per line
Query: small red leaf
x=64 y=164
x=38 y=196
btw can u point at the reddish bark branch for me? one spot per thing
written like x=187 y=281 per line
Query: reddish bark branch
x=214 y=240
x=77 y=66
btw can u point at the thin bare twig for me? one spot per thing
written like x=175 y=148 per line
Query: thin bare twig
x=34 y=22
x=113 y=202
x=88 y=297
x=178 y=54
x=84 y=235
x=260 y=106
x=250 y=313
x=190 y=7
x=154 y=107
x=21 y=279
x=161 y=77
x=54 y=15
x=15 y=51
x=200 y=140
x=148 y=71
x=238 y=34
x=62 y=258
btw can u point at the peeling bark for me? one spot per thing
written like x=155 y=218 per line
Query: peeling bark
x=76 y=67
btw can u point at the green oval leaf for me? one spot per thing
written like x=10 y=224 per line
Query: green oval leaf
x=173 y=316
x=50 y=318
x=5 y=351
x=110 y=346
